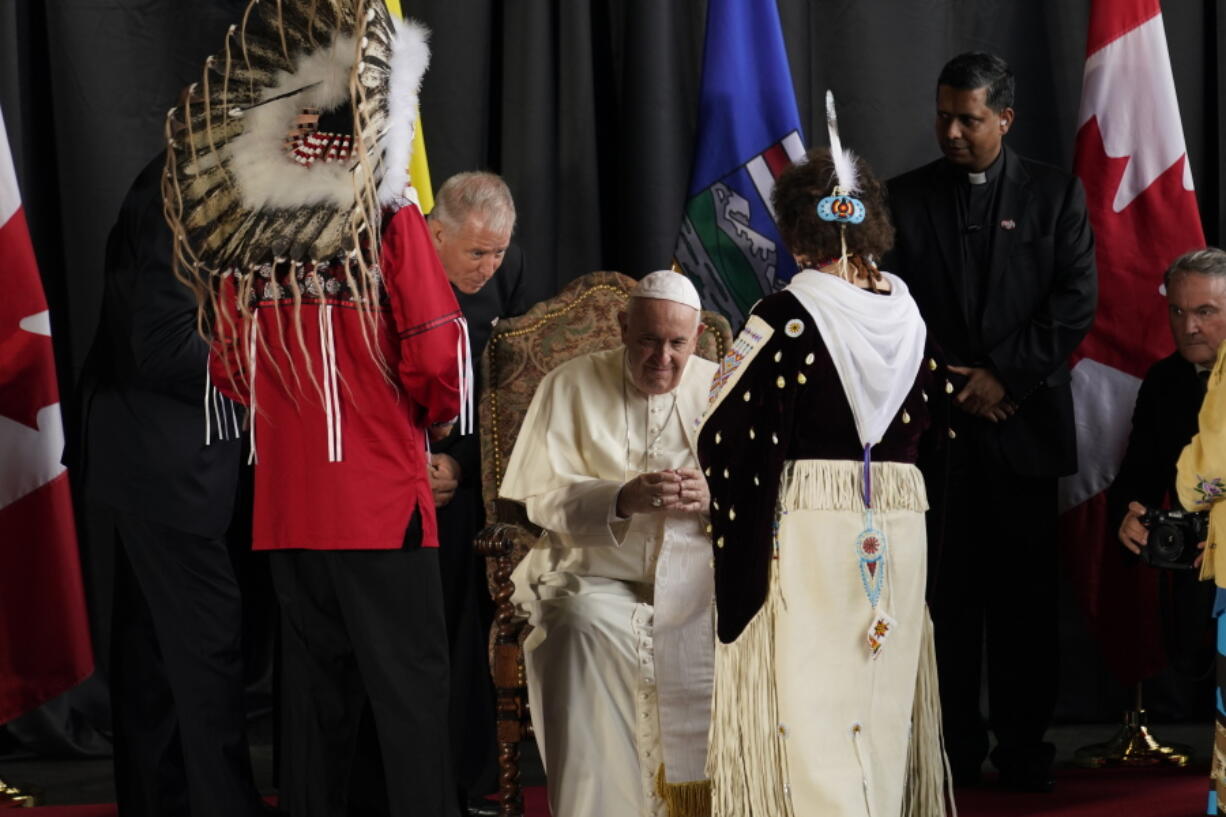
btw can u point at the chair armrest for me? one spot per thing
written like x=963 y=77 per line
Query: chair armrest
x=496 y=540
x=511 y=520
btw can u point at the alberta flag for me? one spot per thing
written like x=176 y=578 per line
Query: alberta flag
x=748 y=133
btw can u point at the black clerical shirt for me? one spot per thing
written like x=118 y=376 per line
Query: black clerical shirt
x=978 y=195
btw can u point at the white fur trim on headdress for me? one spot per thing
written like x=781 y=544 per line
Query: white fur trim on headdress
x=265 y=177
x=667 y=285
x=410 y=58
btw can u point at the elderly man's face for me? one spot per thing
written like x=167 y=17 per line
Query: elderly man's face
x=1196 y=305
x=471 y=253
x=968 y=131
x=659 y=336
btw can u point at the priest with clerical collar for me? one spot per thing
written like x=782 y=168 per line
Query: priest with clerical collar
x=999 y=255
x=619 y=587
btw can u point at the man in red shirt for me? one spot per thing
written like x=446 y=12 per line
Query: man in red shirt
x=333 y=322
x=343 y=501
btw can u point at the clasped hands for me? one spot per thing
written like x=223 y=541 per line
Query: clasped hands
x=983 y=395
x=677 y=489
x=444 y=470
x=444 y=475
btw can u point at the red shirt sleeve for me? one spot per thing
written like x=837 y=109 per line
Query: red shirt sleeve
x=227 y=364
x=425 y=316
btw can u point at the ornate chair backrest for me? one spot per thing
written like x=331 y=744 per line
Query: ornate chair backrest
x=582 y=318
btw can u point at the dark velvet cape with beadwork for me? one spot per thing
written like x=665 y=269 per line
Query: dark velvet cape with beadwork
x=796 y=409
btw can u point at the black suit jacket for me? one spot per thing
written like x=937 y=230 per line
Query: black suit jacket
x=509 y=293
x=1163 y=422
x=1039 y=296
x=143 y=387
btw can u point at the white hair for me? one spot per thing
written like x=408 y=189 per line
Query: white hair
x=475 y=195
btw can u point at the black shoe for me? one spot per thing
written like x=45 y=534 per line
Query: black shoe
x=480 y=807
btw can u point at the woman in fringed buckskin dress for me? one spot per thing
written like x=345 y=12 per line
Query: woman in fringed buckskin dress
x=825 y=691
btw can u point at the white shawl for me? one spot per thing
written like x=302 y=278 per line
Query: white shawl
x=876 y=341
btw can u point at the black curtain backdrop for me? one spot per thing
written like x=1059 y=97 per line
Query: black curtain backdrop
x=587 y=108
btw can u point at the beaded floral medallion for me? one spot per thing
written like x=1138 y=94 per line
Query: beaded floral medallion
x=870 y=547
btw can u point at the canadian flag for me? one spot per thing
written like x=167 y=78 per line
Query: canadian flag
x=1132 y=160
x=44 y=632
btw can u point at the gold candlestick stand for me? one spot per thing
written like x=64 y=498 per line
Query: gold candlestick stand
x=1133 y=746
x=13 y=797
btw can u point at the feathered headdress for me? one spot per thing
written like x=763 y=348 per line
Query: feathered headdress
x=282 y=157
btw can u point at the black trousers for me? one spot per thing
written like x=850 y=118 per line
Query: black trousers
x=362 y=626
x=469 y=612
x=995 y=587
x=177 y=676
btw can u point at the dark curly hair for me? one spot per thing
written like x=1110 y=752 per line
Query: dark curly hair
x=803 y=185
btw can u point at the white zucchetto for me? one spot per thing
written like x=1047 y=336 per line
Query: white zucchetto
x=666 y=285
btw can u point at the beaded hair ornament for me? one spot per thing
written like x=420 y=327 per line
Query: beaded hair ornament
x=841 y=206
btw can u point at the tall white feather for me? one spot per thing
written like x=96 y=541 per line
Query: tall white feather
x=844 y=162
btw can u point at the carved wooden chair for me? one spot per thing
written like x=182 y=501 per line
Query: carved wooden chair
x=521 y=351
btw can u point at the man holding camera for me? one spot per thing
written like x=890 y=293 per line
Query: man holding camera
x=1199 y=486
x=1165 y=417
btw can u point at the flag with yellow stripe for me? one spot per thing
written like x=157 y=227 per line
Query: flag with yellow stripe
x=419 y=169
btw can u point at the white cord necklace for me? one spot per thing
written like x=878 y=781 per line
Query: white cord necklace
x=626 y=421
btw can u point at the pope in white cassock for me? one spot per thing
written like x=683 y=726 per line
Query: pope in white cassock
x=619 y=587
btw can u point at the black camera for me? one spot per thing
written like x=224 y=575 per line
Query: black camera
x=1173 y=537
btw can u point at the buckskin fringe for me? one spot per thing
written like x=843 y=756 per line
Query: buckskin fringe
x=690 y=799
x=746 y=761
x=929 y=780
x=837 y=485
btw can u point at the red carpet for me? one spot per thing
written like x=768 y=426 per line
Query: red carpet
x=1079 y=793
x=1099 y=793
